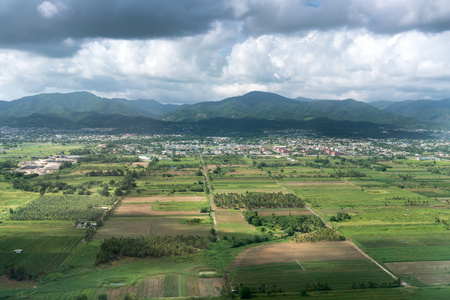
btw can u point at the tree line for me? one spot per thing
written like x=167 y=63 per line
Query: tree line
x=257 y=200
x=114 y=172
x=290 y=224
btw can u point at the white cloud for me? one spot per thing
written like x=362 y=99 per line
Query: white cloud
x=343 y=63
x=332 y=64
x=48 y=9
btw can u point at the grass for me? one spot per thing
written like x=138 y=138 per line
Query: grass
x=171 y=286
x=232 y=223
x=290 y=277
x=40 y=253
x=148 y=226
x=379 y=225
x=177 y=206
x=27 y=151
x=12 y=199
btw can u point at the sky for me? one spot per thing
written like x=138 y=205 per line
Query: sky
x=188 y=51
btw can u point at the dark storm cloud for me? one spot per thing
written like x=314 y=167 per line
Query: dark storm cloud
x=379 y=16
x=56 y=27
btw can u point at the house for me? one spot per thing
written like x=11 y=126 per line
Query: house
x=18 y=251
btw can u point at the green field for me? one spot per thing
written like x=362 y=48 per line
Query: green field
x=290 y=277
x=398 y=216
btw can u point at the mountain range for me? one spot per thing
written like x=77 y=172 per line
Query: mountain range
x=255 y=110
x=72 y=106
x=435 y=111
x=271 y=106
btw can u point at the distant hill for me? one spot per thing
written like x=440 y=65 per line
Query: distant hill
x=248 y=114
x=208 y=127
x=269 y=106
x=437 y=111
x=258 y=105
x=69 y=106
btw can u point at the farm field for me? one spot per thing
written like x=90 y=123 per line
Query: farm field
x=46 y=245
x=427 y=272
x=292 y=266
x=397 y=216
x=232 y=223
x=137 y=225
x=12 y=199
x=391 y=218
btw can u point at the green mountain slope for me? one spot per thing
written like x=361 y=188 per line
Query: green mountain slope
x=69 y=105
x=437 y=111
x=357 y=111
x=260 y=105
x=257 y=105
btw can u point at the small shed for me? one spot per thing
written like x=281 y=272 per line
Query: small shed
x=18 y=251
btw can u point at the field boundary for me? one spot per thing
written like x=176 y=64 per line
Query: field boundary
x=350 y=241
x=211 y=202
x=299 y=263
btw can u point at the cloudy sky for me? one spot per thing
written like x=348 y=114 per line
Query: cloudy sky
x=197 y=50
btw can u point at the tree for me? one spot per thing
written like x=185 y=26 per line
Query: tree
x=118 y=192
x=103 y=296
x=104 y=192
x=245 y=292
x=130 y=296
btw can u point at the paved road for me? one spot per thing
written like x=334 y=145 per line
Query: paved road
x=211 y=202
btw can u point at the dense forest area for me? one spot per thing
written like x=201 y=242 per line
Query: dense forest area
x=257 y=200
x=289 y=224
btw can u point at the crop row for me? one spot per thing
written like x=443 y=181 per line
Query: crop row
x=66 y=207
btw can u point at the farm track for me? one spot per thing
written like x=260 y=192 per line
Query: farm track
x=306 y=206
x=211 y=202
x=351 y=242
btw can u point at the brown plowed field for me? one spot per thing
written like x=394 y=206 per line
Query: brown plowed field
x=146 y=210
x=285 y=252
x=163 y=199
x=429 y=272
x=210 y=286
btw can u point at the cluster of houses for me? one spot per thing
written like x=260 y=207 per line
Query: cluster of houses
x=85 y=224
x=332 y=152
x=45 y=166
x=282 y=149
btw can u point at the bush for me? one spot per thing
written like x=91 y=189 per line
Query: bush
x=245 y=292
x=103 y=296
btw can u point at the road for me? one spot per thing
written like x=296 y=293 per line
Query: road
x=211 y=202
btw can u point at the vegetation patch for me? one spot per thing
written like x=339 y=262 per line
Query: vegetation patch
x=65 y=207
x=321 y=234
x=157 y=246
x=258 y=200
x=290 y=224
